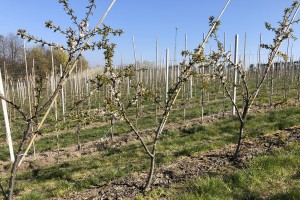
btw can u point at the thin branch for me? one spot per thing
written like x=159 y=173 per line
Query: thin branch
x=69 y=11
x=123 y=113
x=89 y=12
x=156 y=100
x=68 y=113
x=213 y=28
x=16 y=107
x=168 y=108
x=243 y=76
x=233 y=103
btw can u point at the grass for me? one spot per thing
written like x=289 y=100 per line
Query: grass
x=275 y=177
x=70 y=138
x=148 y=121
x=82 y=173
x=59 y=179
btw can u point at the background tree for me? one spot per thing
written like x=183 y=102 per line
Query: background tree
x=3 y=48
x=12 y=53
x=42 y=63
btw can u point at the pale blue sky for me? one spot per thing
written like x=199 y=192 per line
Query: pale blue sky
x=144 y=19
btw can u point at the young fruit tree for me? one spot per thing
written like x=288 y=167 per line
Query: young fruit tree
x=118 y=104
x=219 y=59
x=79 y=39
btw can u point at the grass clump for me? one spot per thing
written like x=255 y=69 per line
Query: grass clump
x=32 y=196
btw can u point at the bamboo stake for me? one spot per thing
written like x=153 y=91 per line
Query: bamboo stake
x=6 y=120
x=184 y=84
x=6 y=90
x=245 y=45
x=259 y=60
x=285 y=73
x=224 y=92
x=28 y=89
x=13 y=96
x=35 y=100
x=175 y=54
x=137 y=81
x=167 y=74
x=156 y=68
x=62 y=96
x=27 y=79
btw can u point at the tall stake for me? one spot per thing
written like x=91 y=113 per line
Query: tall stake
x=135 y=61
x=156 y=76
x=184 y=84
x=28 y=89
x=167 y=74
x=175 y=57
x=235 y=72
x=62 y=95
x=245 y=45
x=202 y=89
x=6 y=120
x=285 y=72
x=225 y=72
x=191 y=87
x=27 y=80
x=259 y=60
x=137 y=81
x=271 y=83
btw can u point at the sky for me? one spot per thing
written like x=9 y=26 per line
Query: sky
x=147 y=19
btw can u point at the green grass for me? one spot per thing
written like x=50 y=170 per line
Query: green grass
x=70 y=138
x=59 y=179
x=82 y=173
x=275 y=177
x=146 y=121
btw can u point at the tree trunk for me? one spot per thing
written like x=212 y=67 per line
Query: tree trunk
x=15 y=166
x=238 y=147
x=151 y=172
x=12 y=181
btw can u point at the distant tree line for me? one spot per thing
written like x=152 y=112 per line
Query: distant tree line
x=12 y=54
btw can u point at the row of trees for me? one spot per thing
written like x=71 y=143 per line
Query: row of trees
x=117 y=104
x=12 y=57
